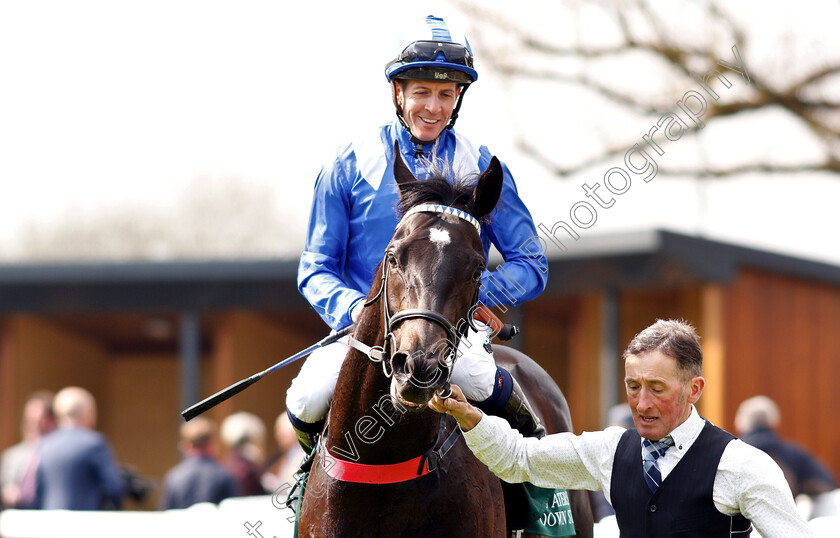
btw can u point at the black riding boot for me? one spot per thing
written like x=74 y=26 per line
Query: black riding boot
x=307 y=433
x=307 y=440
x=518 y=412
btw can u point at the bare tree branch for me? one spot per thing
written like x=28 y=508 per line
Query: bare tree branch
x=817 y=76
x=580 y=80
x=643 y=29
x=775 y=169
x=540 y=157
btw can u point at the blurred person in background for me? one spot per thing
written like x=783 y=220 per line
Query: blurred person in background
x=281 y=467
x=76 y=468
x=19 y=462
x=244 y=435
x=756 y=422
x=199 y=477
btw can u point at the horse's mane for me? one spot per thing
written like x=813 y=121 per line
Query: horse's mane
x=437 y=189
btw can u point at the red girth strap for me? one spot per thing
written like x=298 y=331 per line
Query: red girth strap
x=349 y=471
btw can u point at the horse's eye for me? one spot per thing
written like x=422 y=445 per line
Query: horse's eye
x=477 y=275
x=392 y=260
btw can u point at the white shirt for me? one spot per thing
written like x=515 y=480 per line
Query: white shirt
x=747 y=481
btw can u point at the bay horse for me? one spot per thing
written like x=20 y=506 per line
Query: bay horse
x=387 y=465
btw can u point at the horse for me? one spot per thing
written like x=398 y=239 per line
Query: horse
x=386 y=465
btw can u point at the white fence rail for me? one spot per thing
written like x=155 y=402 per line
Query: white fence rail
x=246 y=517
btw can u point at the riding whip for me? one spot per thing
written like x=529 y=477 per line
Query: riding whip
x=239 y=386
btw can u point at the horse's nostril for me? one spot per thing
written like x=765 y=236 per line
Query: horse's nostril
x=421 y=369
x=399 y=362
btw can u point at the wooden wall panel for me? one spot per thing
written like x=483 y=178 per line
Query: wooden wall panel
x=712 y=330
x=584 y=366
x=143 y=399
x=246 y=343
x=11 y=403
x=638 y=309
x=782 y=341
x=52 y=358
x=562 y=335
x=544 y=337
x=40 y=355
x=823 y=390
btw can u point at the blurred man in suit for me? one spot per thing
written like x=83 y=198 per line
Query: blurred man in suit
x=199 y=477
x=77 y=469
x=757 y=423
x=19 y=462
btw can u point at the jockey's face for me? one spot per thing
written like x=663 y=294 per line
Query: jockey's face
x=426 y=106
x=658 y=394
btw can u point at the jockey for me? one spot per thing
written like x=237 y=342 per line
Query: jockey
x=353 y=218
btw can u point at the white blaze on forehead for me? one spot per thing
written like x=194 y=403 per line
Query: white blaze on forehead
x=439 y=237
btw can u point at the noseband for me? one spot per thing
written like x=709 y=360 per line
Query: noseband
x=383 y=353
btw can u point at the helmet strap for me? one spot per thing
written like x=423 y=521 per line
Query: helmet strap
x=457 y=107
x=398 y=108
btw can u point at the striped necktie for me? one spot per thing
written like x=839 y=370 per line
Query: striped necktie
x=651 y=450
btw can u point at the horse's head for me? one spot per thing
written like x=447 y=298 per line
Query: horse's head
x=431 y=277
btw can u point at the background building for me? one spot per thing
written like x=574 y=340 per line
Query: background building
x=150 y=339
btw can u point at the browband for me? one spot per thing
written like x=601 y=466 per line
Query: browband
x=446 y=210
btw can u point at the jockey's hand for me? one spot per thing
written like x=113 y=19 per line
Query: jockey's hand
x=467 y=415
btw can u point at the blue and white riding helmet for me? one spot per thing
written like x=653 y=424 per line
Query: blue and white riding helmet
x=432 y=49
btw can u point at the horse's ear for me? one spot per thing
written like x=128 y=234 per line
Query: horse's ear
x=488 y=189
x=401 y=172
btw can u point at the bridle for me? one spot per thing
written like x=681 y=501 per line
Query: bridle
x=350 y=471
x=391 y=320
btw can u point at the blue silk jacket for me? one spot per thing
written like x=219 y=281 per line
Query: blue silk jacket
x=353 y=218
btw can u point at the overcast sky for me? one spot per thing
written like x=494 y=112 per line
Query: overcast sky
x=106 y=103
x=110 y=102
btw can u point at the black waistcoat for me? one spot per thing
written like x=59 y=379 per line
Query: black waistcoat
x=683 y=505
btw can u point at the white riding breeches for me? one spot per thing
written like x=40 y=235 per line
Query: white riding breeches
x=309 y=396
